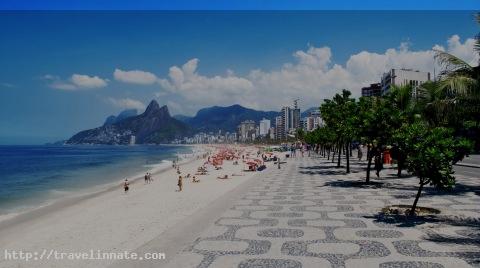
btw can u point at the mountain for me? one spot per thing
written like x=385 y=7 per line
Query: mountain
x=122 y=115
x=307 y=112
x=225 y=118
x=155 y=125
x=182 y=118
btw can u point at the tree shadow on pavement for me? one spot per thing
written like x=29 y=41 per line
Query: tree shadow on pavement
x=354 y=184
x=324 y=172
x=319 y=167
x=382 y=218
x=459 y=189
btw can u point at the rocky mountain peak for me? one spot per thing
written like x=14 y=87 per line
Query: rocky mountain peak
x=152 y=107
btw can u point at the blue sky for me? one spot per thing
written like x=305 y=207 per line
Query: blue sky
x=57 y=73
x=239 y=5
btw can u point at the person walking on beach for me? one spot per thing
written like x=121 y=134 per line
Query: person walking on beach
x=149 y=177
x=146 y=177
x=125 y=185
x=180 y=183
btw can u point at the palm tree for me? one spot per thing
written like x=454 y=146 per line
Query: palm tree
x=458 y=77
x=436 y=106
x=455 y=98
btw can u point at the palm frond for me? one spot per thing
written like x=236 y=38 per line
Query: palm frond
x=450 y=62
x=458 y=84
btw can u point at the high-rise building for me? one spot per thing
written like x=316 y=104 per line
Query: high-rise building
x=246 y=130
x=290 y=121
x=264 y=127
x=313 y=121
x=403 y=77
x=132 y=140
x=286 y=121
x=295 y=116
x=279 y=129
x=271 y=133
x=372 y=90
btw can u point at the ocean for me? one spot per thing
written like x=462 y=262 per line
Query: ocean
x=31 y=176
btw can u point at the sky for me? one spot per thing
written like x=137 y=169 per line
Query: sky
x=239 y=5
x=66 y=71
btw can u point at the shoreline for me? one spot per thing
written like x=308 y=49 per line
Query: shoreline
x=112 y=221
x=83 y=193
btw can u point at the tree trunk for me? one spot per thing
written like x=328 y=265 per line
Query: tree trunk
x=414 y=206
x=333 y=154
x=339 y=158
x=328 y=154
x=369 y=164
x=348 y=151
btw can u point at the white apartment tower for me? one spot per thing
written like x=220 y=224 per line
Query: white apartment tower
x=264 y=127
x=403 y=77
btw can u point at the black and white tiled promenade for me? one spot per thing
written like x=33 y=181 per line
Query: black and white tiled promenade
x=311 y=214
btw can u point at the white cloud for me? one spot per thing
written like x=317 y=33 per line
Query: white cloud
x=127 y=103
x=175 y=108
x=75 y=82
x=312 y=77
x=463 y=51
x=202 y=90
x=85 y=81
x=135 y=77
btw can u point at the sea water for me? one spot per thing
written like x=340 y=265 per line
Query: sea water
x=31 y=176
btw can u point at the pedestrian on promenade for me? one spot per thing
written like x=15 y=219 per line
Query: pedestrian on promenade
x=378 y=162
x=359 y=153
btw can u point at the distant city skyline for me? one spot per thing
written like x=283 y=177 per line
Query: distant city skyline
x=63 y=72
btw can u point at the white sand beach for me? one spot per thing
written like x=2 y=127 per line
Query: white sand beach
x=114 y=221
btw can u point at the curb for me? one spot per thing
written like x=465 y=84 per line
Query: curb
x=467 y=165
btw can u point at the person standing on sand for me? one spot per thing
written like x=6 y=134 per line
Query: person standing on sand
x=179 y=183
x=146 y=177
x=125 y=185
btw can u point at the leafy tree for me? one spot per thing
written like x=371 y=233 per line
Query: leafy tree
x=374 y=126
x=431 y=154
x=339 y=116
x=403 y=111
x=300 y=134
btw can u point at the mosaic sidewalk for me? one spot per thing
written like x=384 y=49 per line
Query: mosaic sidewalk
x=311 y=214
